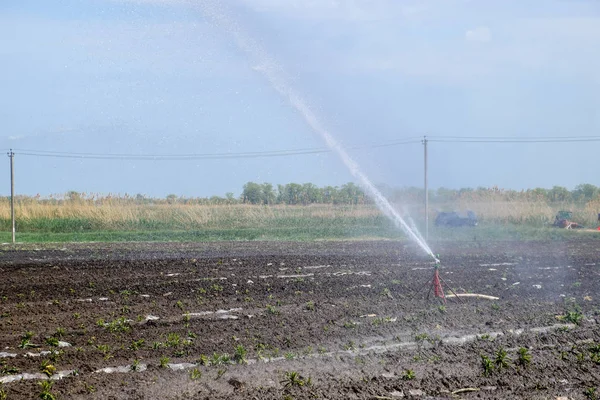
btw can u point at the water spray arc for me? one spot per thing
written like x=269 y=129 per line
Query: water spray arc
x=273 y=73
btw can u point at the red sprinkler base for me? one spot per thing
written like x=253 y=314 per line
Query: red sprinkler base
x=437 y=284
x=438 y=290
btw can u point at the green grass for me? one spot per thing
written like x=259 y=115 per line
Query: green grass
x=485 y=232
x=293 y=234
x=293 y=228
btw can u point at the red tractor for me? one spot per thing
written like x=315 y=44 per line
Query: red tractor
x=564 y=220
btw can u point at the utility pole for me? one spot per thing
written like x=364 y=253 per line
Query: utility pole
x=11 y=155
x=426 y=188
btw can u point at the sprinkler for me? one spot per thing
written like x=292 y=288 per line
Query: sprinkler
x=437 y=282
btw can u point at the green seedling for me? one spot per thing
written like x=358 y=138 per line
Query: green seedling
x=135 y=365
x=164 y=362
x=350 y=346
x=524 y=357
x=204 y=360
x=590 y=393
x=118 y=325
x=218 y=359
x=46 y=393
x=156 y=345
x=173 y=340
x=293 y=378
x=408 y=375
x=26 y=344
x=502 y=359
x=487 y=365
x=5 y=370
x=240 y=355
x=573 y=316
x=3 y=394
x=136 y=344
x=195 y=374
x=55 y=355
x=421 y=337
x=350 y=324
x=272 y=310
x=47 y=368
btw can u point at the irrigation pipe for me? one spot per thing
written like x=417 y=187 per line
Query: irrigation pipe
x=479 y=296
x=465 y=390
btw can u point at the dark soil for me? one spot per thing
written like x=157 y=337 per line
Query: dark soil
x=353 y=317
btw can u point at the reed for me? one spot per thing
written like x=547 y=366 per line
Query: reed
x=93 y=213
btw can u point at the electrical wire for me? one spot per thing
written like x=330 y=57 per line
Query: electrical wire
x=513 y=139
x=199 y=156
x=302 y=151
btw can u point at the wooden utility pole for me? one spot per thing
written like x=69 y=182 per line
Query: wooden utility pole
x=426 y=189
x=11 y=155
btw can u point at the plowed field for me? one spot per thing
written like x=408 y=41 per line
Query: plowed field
x=276 y=320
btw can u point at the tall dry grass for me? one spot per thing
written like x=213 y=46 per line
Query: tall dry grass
x=522 y=208
x=126 y=213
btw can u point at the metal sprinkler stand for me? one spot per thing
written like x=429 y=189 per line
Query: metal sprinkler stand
x=437 y=284
x=438 y=290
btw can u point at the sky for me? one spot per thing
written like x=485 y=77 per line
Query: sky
x=165 y=77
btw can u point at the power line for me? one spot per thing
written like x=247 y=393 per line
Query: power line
x=513 y=139
x=302 y=151
x=517 y=137
x=168 y=157
x=199 y=156
x=517 y=141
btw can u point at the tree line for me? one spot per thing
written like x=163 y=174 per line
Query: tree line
x=349 y=194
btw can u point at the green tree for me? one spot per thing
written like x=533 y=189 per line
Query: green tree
x=230 y=198
x=329 y=194
x=292 y=193
x=585 y=192
x=559 y=194
x=444 y=194
x=252 y=193
x=172 y=198
x=310 y=194
x=538 y=193
x=351 y=194
x=268 y=194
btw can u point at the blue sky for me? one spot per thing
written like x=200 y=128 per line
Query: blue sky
x=159 y=77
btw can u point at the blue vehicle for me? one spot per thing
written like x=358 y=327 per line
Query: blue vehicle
x=454 y=219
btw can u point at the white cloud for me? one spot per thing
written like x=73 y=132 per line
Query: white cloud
x=480 y=34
